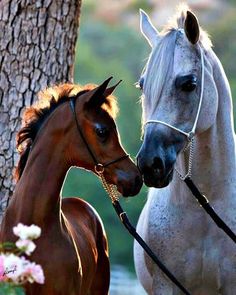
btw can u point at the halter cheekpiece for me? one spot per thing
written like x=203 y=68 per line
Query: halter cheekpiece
x=98 y=167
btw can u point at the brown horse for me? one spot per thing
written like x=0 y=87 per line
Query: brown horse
x=73 y=247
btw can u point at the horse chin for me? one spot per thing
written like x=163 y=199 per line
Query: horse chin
x=157 y=182
x=124 y=192
x=127 y=188
x=129 y=191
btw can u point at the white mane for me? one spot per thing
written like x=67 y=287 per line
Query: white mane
x=159 y=67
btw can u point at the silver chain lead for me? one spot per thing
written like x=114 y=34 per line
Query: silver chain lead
x=190 y=161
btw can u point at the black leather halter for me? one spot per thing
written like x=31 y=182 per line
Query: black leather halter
x=98 y=167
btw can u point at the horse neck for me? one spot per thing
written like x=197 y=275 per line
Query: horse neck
x=37 y=195
x=214 y=150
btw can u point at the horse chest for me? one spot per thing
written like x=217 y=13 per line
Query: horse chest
x=190 y=244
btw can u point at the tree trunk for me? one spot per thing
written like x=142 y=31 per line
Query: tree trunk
x=37 y=49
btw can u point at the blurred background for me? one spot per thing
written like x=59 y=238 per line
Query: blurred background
x=110 y=44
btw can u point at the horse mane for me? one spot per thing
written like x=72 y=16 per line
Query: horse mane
x=35 y=115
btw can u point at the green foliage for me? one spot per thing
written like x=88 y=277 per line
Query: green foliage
x=223 y=36
x=144 y=4
x=10 y=289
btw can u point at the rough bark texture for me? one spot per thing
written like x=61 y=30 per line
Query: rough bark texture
x=37 y=48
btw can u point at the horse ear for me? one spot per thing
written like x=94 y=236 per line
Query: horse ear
x=109 y=90
x=191 y=28
x=147 y=29
x=98 y=96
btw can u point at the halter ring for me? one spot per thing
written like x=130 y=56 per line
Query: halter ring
x=191 y=135
x=99 y=168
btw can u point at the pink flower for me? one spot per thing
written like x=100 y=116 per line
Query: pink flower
x=34 y=273
x=2 y=278
x=26 y=245
x=19 y=270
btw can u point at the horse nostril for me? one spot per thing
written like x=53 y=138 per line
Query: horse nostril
x=158 y=165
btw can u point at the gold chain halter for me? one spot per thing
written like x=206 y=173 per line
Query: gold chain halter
x=109 y=188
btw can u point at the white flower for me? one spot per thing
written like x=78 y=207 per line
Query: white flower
x=26 y=245
x=25 y=232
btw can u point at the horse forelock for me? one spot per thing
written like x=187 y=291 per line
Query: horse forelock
x=157 y=70
x=48 y=100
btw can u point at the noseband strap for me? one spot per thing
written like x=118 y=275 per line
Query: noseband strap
x=99 y=168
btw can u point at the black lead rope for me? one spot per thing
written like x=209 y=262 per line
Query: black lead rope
x=203 y=201
x=131 y=229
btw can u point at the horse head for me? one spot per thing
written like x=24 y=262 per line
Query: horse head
x=95 y=111
x=179 y=95
x=80 y=123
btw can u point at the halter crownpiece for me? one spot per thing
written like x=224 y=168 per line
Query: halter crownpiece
x=191 y=134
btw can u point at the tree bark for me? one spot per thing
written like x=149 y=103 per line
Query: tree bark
x=37 y=49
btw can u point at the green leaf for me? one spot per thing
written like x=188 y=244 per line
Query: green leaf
x=10 y=289
x=8 y=245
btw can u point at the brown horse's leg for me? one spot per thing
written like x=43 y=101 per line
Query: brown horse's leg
x=101 y=282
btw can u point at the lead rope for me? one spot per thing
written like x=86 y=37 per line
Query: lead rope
x=114 y=196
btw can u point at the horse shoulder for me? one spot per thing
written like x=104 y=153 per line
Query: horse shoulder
x=82 y=215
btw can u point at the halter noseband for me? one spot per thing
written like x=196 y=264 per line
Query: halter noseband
x=98 y=167
x=191 y=134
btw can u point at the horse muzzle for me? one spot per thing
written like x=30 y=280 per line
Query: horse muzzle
x=128 y=184
x=157 y=167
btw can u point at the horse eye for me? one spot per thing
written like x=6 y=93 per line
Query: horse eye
x=188 y=86
x=186 y=83
x=102 y=132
